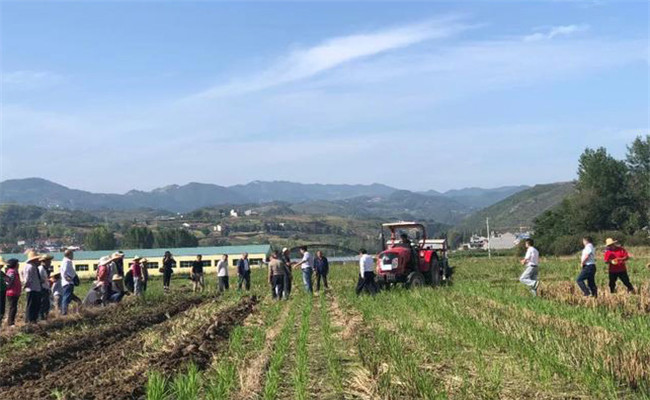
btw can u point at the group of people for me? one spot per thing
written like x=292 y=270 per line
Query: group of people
x=615 y=257
x=280 y=272
x=43 y=287
x=47 y=289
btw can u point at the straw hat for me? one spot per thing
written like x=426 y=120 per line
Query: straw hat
x=137 y=258
x=610 y=242
x=2 y=261
x=117 y=255
x=104 y=260
x=46 y=257
x=32 y=255
x=116 y=278
x=144 y=260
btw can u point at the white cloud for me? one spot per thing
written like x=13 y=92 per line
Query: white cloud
x=331 y=53
x=30 y=80
x=562 y=30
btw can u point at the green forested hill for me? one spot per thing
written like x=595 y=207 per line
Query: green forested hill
x=520 y=209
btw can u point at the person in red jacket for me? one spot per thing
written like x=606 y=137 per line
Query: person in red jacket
x=14 y=286
x=615 y=257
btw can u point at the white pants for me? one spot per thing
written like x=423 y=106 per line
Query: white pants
x=137 y=286
x=529 y=277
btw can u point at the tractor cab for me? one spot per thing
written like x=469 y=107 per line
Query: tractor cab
x=409 y=257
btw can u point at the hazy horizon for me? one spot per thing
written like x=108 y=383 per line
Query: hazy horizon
x=112 y=96
x=277 y=180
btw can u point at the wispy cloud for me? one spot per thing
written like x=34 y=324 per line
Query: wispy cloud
x=30 y=80
x=305 y=63
x=562 y=30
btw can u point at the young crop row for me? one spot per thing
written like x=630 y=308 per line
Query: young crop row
x=488 y=338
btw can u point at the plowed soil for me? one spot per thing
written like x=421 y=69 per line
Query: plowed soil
x=106 y=364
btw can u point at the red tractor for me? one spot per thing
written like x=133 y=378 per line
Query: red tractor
x=412 y=263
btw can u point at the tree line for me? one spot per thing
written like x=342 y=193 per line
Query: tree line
x=101 y=238
x=612 y=199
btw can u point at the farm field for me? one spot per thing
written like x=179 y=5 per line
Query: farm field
x=484 y=337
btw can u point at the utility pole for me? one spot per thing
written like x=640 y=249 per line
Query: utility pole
x=487 y=223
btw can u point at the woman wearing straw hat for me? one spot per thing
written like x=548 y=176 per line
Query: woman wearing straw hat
x=136 y=270
x=104 y=278
x=615 y=257
x=32 y=287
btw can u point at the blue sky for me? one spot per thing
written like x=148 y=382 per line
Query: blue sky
x=112 y=96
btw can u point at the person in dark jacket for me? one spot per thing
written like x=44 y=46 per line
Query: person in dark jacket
x=244 y=272
x=288 y=276
x=322 y=267
x=168 y=269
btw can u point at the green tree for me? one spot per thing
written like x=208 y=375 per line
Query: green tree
x=638 y=164
x=174 y=238
x=602 y=192
x=138 y=237
x=100 y=239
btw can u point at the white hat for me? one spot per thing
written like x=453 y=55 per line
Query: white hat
x=284 y=249
x=104 y=260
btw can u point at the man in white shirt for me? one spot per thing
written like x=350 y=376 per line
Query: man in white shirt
x=588 y=268
x=366 y=274
x=222 y=273
x=68 y=276
x=531 y=261
x=307 y=266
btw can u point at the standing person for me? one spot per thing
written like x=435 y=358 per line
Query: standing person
x=68 y=280
x=276 y=276
x=197 y=273
x=145 y=274
x=3 y=291
x=244 y=272
x=116 y=286
x=288 y=276
x=615 y=257
x=222 y=273
x=322 y=267
x=366 y=274
x=306 y=265
x=32 y=287
x=119 y=262
x=168 y=269
x=531 y=261
x=14 y=286
x=104 y=279
x=588 y=268
x=44 y=271
x=136 y=270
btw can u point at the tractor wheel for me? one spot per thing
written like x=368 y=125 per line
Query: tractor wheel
x=434 y=271
x=414 y=280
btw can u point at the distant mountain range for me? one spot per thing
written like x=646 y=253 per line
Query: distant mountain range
x=519 y=209
x=454 y=207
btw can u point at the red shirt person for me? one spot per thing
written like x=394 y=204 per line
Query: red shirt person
x=615 y=257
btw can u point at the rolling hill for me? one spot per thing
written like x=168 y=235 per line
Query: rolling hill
x=520 y=209
x=345 y=200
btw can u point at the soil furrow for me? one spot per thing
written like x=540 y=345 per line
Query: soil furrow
x=22 y=367
x=101 y=376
